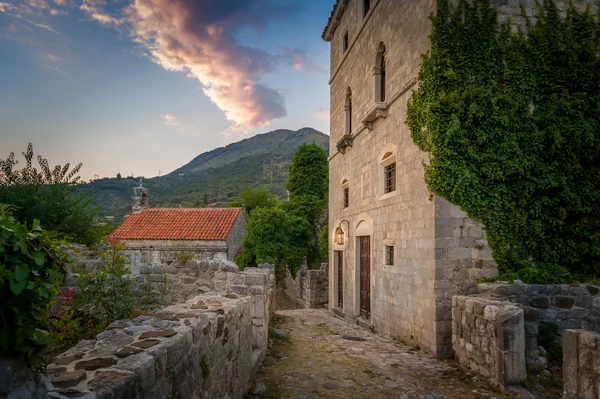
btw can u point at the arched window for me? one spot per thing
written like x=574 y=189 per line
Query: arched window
x=380 y=72
x=348 y=109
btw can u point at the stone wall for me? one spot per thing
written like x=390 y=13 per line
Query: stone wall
x=581 y=371
x=207 y=347
x=488 y=338
x=309 y=290
x=561 y=305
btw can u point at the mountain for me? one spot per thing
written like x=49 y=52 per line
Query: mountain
x=219 y=175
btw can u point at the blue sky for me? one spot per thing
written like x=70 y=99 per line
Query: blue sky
x=142 y=86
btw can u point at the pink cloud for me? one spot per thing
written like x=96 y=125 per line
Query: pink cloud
x=321 y=113
x=196 y=37
x=298 y=58
x=170 y=119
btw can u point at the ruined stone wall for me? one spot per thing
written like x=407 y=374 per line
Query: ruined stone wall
x=561 y=305
x=208 y=347
x=309 y=290
x=234 y=240
x=581 y=371
x=488 y=338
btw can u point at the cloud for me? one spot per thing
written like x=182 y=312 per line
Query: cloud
x=170 y=119
x=95 y=9
x=321 y=113
x=298 y=58
x=54 y=68
x=197 y=37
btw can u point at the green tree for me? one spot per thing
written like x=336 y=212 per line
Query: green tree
x=51 y=196
x=32 y=266
x=266 y=237
x=510 y=123
x=255 y=198
x=309 y=172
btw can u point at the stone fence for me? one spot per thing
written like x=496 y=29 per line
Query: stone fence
x=309 y=290
x=557 y=307
x=488 y=338
x=207 y=347
x=581 y=364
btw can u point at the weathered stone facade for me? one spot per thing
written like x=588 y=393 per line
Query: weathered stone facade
x=438 y=251
x=581 y=371
x=207 y=347
x=488 y=338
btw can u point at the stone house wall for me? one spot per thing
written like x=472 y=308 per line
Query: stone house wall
x=488 y=338
x=438 y=251
x=208 y=347
x=234 y=240
x=581 y=364
x=412 y=298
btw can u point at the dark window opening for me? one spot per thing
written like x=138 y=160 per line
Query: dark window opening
x=389 y=183
x=382 y=79
x=350 y=115
x=389 y=255
x=366 y=7
x=346 y=42
x=144 y=198
x=346 y=197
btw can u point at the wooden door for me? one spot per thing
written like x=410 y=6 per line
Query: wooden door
x=365 y=277
x=340 y=275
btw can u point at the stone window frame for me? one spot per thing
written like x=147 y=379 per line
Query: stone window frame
x=389 y=255
x=387 y=157
x=379 y=72
x=389 y=178
x=345 y=194
x=366 y=7
x=348 y=112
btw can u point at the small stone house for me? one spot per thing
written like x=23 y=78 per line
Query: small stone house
x=157 y=235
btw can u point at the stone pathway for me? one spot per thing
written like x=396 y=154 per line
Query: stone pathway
x=321 y=356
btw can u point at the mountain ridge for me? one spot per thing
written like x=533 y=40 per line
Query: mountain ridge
x=218 y=175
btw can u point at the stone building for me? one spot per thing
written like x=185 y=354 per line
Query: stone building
x=398 y=254
x=157 y=235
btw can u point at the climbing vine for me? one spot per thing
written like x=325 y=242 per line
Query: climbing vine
x=511 y=123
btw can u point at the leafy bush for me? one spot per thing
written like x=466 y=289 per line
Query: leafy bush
x=510 y=123
x=51 y=196
x=106 y=291
x=32 y=266
x=69 y=325
x=309 y=172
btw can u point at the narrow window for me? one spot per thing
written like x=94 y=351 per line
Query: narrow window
x=389 y=183
x=346 y=197
x=346 y=41
x=348 y=109
x=382 y=79
x=389 y=255
x=366 y=7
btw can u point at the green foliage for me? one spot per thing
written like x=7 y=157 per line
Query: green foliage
x=510 y=123
x=324 y=240
x=51 y=196
x=255 y=198
x=32 y=266
x=106 y=290
x=266 y=237
x=68 y=325
x=550 y=274
x=309 y=172
x=184 y=256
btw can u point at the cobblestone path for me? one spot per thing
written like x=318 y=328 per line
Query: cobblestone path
x=325 y=357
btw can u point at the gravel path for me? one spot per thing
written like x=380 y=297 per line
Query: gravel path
x=321 y=356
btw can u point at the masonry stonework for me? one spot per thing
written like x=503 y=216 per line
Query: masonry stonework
x=438 y=251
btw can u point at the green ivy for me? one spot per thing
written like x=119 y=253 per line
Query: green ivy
x=32 y=266
x=511 y=123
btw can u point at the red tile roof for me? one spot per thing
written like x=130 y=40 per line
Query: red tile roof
x=203 y=224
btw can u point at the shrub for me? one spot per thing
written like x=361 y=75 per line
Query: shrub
x=106 y=290
x=32 y=266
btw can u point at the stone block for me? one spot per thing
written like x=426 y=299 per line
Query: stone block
x=570 y=344
x=564 y=302
x=542 y=302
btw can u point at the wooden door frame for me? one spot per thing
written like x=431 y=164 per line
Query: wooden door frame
x=357 y=276
x=336 y=287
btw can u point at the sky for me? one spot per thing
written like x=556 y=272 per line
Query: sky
x=143 y=86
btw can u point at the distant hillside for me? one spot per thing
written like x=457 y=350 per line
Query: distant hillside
x=220 y=174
